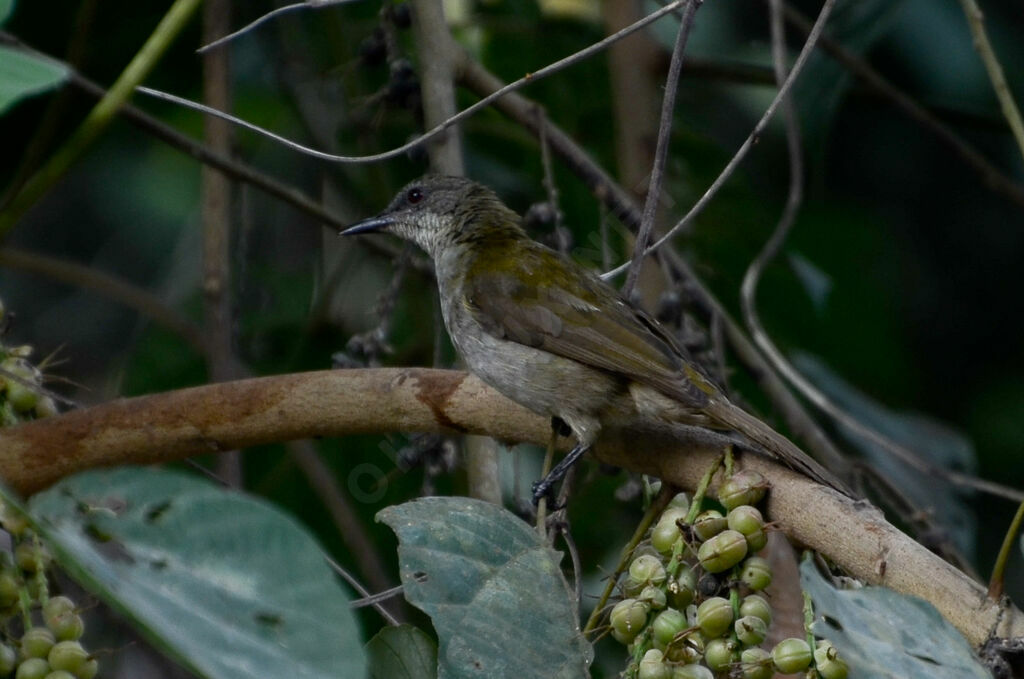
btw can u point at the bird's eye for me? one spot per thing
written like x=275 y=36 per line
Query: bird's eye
x=414 y=196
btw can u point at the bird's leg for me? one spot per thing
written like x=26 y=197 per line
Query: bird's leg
x=558 y=426
x=544 y=487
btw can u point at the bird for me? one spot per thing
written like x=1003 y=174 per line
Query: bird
x=549 y=334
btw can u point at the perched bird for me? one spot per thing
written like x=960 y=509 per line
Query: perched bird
x=552 y=336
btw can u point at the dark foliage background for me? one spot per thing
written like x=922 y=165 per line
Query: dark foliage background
x=921 y=260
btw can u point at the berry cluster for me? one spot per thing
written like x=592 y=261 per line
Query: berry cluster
x=693 y=608
x=22 y=397
x=43 y=642
x=20 y=385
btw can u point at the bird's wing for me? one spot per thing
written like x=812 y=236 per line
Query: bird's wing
x=543 y=300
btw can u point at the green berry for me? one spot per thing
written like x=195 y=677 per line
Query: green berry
x=59 y=674
x=691 y=672
x=67 y=655
x=88 y=669
x=30 y=556
x=652 y=666
x=745 y=487
x=791 y=656
x=628 y=617
x=32 y=668
x=723 y=551
x=681 y=590
x=756 y=573
x=8 y=660
x=686 y=648
x=8 y=589
x=748 y=520
x=750 y=630
x=756 y=663
x=680 y=501
x=46 y=407
x=668 y=624
x=37 y=642
x=645 y=570
x=709 y=523
x=664 y=536
x=757 y=606
x=56 y=606
x=13 y=521
x=720 y=654
x=67 y=626
x=714 y=616
x=828 y=662
x=653 y=597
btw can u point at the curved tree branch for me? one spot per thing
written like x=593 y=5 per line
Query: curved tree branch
x=216 y=417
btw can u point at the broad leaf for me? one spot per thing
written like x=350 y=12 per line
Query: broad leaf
x=493 y=590
x=935 y=442
x=22 y=75
x=224 y=583
x=402 y=652
x=882 y=634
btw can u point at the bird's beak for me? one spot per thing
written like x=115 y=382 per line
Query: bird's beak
x=371 y=225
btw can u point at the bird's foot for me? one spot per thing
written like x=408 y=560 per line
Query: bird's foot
x=545 y=487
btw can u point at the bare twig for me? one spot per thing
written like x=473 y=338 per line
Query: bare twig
x=145 y=303
x=741 y=153
x=100 y=116
x=990 y=174
x=216 y=219
x=225 y=415
x=548 y=70
x=976 y=22
x=321 y=479
x=368 y=599
x=668 y=105
x=273 y=14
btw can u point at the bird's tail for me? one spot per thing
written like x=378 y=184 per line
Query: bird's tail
x=773 y=443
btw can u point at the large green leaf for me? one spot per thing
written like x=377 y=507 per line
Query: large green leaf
x=492 y=588
x=939 y=444
x=402 y=652
x=6 y=7
x=22 y=75
x=883 y=634
x=224 y=583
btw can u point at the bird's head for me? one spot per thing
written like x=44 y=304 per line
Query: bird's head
x=438 y=212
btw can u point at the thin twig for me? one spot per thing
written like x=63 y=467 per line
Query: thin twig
x=368 y=599
x=976 y=22
x=549 y=177
x=310 y=4
x=322 y=481
x=101 y=114
x=992 y=177
x=995 y=584
x=668 y=105
x=142 y=301
x=548 y=70
x=727 y=172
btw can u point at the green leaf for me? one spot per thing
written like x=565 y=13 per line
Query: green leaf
x=936 y=442
x=6 y=7
x=493 y=590
x=225 y=584
x=881 y=633
x=816 y=282
x=402 y=652
x=22 y=75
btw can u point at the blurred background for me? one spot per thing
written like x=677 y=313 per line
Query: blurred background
x=898 y=292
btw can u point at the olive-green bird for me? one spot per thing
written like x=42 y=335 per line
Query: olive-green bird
x=551 y=335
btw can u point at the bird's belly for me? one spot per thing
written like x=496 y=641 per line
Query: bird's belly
x=541 y=381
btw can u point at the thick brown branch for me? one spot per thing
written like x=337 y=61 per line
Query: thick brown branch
x=229 y=415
